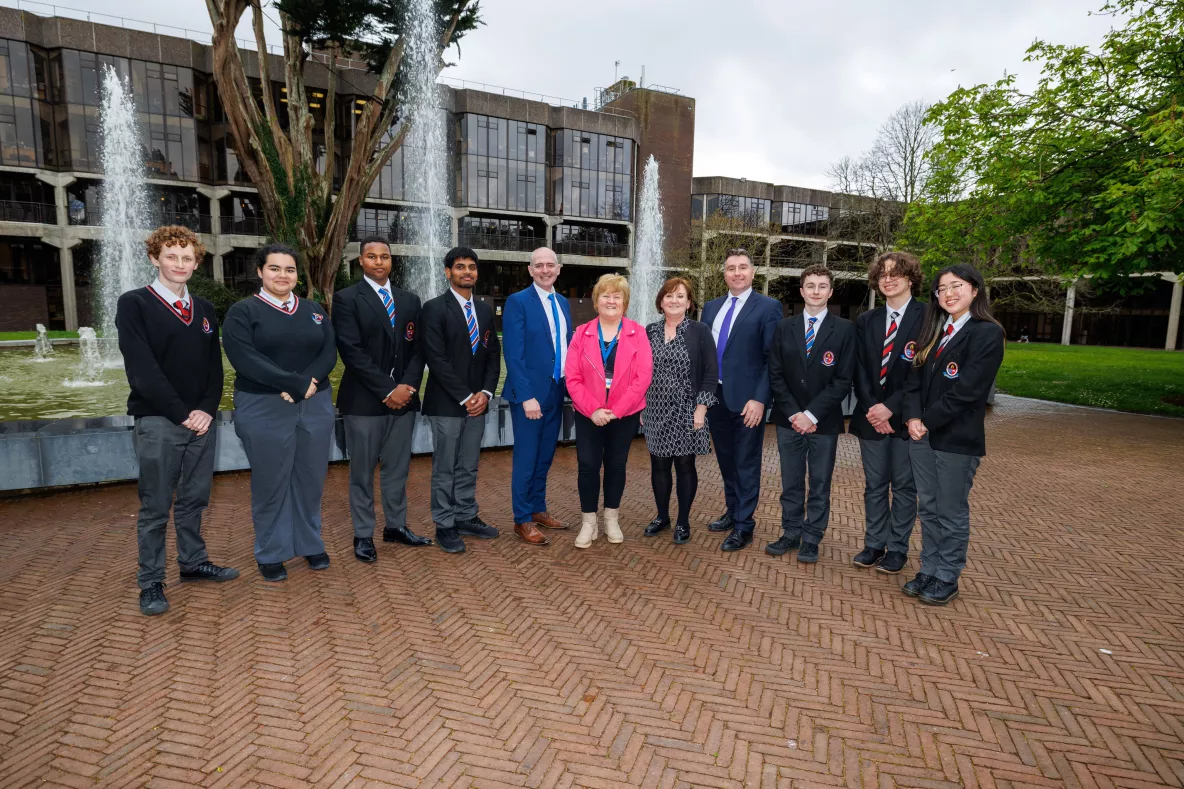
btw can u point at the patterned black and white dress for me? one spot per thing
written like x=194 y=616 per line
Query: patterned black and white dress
x=670 y=402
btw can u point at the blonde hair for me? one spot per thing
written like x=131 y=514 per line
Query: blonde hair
x=611 y=283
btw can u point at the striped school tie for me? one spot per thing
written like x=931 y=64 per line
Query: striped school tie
x=389 y=303
x=472 y=322
x=810 y=337
x=944 y=340
x=889 y=341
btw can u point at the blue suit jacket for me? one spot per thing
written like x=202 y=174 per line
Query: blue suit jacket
x=528 y=346
x=745 y=371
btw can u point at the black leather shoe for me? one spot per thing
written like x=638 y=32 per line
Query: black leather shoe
x=449 y=540
x=364 y=550
x=893 y=563
x=273 y=572
x=784 y=545
x=656 y=525
x=682 y=533
x=318 y=561
x=476 y=528
x=208 y=571
x=404 y=535
x=868 y=557
x=724 y=522
x=918 y=585
x=153 y=601
x=736 y=540
x=939 y=592
x=808 y=553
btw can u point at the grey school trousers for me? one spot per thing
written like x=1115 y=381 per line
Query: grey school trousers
x=287 y=445
x=810 y=455
x=374 y=440
x=456 y=450
x=887 y=465
x=944 y=480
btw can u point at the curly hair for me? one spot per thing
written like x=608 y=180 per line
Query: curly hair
x=175 y=236
x=903 y=265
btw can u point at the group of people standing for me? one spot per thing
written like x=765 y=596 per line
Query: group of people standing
x=921 y=375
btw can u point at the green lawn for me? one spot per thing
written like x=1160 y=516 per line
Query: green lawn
x=32 y=335
x=1126 y=379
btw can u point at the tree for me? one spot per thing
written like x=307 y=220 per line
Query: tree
x=277 y=145
x=1082 y=175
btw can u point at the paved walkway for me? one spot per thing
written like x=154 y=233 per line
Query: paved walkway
x=642 y=664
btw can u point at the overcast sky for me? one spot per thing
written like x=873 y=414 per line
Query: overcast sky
x=782 y=88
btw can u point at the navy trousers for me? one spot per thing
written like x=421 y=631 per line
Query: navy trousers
x=886 y=464
x=810 y=455
x=534 y=449
x=738 y=449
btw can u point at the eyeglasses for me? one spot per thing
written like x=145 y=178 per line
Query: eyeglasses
x=944 y=289
x=891 y=275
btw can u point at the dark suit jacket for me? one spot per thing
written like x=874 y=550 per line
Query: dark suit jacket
x=526 y=336
x=817 y=385
x=870 y=328
x=949 y=394
x=454 y=371
x=377 y=357
x=745 y=372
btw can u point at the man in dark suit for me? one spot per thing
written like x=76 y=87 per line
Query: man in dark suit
x=810 y=367
x=743 y=324
x=534 y=321
x=463 y=355
x=886 y=345
x=376 y=327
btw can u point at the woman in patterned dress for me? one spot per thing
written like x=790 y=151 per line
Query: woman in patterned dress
x=683 y=388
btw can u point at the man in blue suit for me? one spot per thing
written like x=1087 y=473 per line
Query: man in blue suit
x=536 y=331
x=743 y=324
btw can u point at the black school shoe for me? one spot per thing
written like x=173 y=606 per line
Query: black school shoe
x=724 y=522
x=318 y=561
x=919 y=584
x=808 y=553
x=208 y=571
x=868 y=557
x=273 y=572
x=893 y=563
x=736 y=541
x=404 y=535
x=153 y=601
x=449 y=540
x=476 y=528
x=784 y=545
x=364 y=550
x=939 y=592
x=656 y=526
x=682 y=533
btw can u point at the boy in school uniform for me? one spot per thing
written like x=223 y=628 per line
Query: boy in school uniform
x=810 y=367
x=886 y=345
x=173 y=360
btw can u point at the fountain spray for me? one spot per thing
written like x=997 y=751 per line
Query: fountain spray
x=648 y=250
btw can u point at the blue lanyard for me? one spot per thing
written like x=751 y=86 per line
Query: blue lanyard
x=606 y=352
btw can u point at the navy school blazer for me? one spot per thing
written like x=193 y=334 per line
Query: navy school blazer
x=870 y=329
x=818 y=384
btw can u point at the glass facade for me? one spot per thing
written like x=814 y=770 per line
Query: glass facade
x=591 y=175
x=26 y=121
x=801 y=218
x=500 y=164
x=750 y=211
x=515 y=235
x=576 y=239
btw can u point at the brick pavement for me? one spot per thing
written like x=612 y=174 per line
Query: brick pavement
x=642 y=664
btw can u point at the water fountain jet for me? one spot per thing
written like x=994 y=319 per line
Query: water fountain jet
x=42 y=349
x=647 y=275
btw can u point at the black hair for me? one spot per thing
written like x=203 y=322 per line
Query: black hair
x=274 y=248
x=372 y=240
x=459 y=253
x=935 y=314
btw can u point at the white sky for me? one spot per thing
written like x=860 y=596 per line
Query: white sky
x=783 y=87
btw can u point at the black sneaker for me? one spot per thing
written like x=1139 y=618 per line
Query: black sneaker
x=919 y=584
x=724 y=522
x=477 y=528
x=449 y=540
x=153 y=601
x=868 y=557
x=682 y=533
x=319 y=561
x=273 y=572
x=784 y=545
x=893 y=563
x=808 y=553
x=656 y=526
x=208 y=571
x=939 y=592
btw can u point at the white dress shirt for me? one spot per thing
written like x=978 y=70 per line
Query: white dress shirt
x=559 y=332
x=391 y=295
x=818 y=319
x=286 y=306
x=168 y=295
x=473 y=308
x=899 y=314
x=958 y=324
x=718 y=324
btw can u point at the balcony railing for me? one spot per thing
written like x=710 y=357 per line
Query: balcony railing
x=198 y=223
x=598 y=249
x=502 y=243
x=243 y=225
x=19 y=211
x=392 y=233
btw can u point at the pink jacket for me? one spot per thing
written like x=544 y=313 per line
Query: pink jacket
x=632 y=370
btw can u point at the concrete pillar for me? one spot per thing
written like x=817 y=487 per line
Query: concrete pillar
x=768 y=265
x=552 y=222
x=1174 y=314
x=69 y=294
x=59 y=182
x=219 y=276
x=871 y=298
x=1070 y=301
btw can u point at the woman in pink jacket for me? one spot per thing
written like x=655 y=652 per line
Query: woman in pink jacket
x=608 y=371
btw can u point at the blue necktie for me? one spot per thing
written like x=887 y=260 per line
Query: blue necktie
x=389 y=303
x=810 y=337
x=472 y=322
x=723 y=336
x=557 y=372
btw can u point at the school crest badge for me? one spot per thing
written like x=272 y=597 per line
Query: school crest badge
x=951 y=371
x=318 y=318
x=409 y=332
x=828 y=359
x=205 y=326
x=910 y=351
x=485 y=342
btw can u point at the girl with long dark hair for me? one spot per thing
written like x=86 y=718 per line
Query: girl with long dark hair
x=960 y=349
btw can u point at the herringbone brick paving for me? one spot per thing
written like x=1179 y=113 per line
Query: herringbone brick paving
x=641 y=664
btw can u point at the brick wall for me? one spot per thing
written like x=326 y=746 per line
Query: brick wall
x=22 y=307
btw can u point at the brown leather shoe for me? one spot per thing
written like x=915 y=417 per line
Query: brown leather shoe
x=530 y=534
x=547 y=521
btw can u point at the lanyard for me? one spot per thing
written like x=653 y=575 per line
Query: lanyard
x=606 y=352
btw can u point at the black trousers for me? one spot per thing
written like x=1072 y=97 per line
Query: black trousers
x=687 y=482
x=606 y=447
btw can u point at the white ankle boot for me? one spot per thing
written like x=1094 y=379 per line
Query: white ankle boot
x=612 y=529
x=588 y=531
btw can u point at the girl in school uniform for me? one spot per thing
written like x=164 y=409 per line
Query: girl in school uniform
x=960 y=350
x=282 y=349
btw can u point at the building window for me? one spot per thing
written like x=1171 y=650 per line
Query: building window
x=500 y=164
x=591 y=175
x=801 y=218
